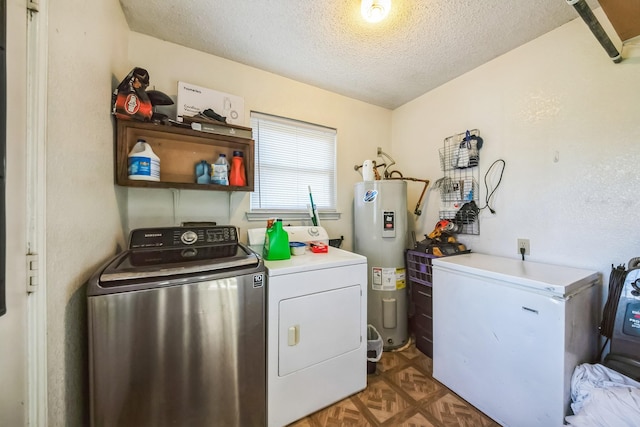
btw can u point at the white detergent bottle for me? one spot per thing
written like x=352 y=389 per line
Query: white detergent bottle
x=367 y=171
x=144 y=165
x=220 y=171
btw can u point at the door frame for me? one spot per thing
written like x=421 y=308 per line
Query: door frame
x=37 y=74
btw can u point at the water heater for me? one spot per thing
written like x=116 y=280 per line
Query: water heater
x=380 y=224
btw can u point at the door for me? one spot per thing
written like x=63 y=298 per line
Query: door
x=317 y=327
x=13 y=324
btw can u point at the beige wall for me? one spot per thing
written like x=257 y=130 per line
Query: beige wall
x=361 y=129
x=557 y=94
x=88 y=217
x=87 y=53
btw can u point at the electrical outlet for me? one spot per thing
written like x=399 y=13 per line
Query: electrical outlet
x=523 y=243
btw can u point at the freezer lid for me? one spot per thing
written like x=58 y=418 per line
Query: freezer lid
x=558 y=280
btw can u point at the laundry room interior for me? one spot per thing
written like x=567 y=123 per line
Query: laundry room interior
x=551 y=114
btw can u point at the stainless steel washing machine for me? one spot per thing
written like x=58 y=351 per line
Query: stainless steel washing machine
x=177 y=332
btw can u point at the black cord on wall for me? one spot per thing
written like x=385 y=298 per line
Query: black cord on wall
x=486 y=185
x=616 y=283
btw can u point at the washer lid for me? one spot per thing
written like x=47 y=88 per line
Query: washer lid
x=142 y=263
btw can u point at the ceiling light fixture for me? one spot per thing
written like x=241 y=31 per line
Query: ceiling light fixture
x=375 y=10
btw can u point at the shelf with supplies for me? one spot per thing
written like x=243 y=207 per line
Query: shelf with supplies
x=180 y=149
x=459 y=189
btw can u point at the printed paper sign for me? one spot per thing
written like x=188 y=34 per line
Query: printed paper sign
x=388 y=279
x=376 y=278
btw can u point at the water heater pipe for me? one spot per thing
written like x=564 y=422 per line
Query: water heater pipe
x=417 y=210
x=590 y=19
x=392 y=162
x=389 y=175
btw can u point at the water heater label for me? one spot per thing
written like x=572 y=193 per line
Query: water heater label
x=387 y=279
x=401 y=281
x=370 y=196
x=389 y=220
x=388 y=224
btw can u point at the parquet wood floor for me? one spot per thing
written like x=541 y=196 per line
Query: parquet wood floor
x=401 y=393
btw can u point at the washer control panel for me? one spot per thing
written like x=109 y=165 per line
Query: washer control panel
x=176 y=237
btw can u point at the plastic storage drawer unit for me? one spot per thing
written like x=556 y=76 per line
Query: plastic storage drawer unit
x=420 y=282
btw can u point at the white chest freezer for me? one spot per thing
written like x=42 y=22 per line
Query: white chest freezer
x=509 y=333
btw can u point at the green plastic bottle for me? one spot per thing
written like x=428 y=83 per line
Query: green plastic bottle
x=276 y=243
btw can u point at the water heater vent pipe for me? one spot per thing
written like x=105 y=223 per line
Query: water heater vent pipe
x=389 y=175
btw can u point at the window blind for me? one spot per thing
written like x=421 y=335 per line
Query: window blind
x=291 y=157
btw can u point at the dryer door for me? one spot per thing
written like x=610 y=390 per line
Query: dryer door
x=317 y=327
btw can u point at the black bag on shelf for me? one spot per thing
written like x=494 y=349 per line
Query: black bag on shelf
x=467 y=214
x=466 y=155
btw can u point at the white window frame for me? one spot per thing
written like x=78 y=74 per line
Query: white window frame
x=325 y=198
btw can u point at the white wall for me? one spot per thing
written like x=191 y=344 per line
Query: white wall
x=87 y=54
x=361 y=129
x=559 y=93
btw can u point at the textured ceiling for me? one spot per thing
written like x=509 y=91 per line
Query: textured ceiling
x=421 y=45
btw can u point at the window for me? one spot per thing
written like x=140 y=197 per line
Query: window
x=291 y=158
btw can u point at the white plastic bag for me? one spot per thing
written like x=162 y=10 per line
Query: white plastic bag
x=466 y=155
x=601 y=396
x=374 y=343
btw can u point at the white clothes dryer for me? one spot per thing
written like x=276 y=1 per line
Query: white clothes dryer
x=316 y=327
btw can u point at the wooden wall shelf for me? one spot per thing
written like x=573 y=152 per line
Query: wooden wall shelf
x=179 y=150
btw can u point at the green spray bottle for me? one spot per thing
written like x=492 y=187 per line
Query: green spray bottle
x=276 y=242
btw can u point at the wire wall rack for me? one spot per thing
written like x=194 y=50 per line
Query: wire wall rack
x=459 y=190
